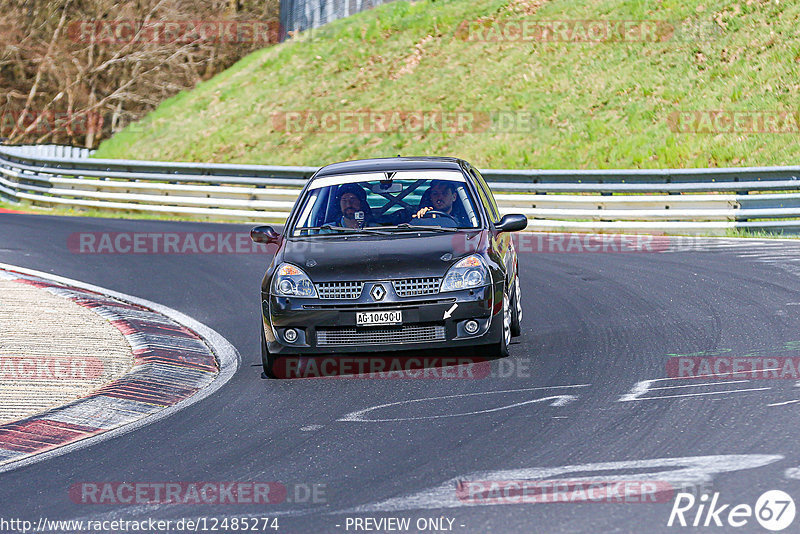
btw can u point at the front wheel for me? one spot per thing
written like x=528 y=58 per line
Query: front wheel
x=267 y=359
x=516 y=309
x=500 y=350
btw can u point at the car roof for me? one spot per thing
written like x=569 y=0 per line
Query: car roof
x=391 y=164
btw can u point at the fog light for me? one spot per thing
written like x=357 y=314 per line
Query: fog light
x=290 y=335
x=471 y=326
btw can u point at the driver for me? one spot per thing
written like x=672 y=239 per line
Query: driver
x=442 y=194
x=352 y=202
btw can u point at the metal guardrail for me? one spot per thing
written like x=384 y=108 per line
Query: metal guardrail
x=670 y=201
x=299 y=15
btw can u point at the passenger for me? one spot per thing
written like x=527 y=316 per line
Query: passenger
x=352 y=201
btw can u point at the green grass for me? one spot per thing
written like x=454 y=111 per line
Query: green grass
x=596 y=105
x=758 y=234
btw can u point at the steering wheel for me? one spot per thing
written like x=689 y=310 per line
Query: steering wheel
x=427 y=215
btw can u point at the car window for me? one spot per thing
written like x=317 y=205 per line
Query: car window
x=486 y=196
x=348 y=201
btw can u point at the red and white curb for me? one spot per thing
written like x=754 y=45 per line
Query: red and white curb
x=177 y=362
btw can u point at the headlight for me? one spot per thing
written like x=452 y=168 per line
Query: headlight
x=467 y=273
x=291 y=281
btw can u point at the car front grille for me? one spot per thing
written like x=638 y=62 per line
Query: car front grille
x=340 y=290
x=412 y=287
x=408 y=287
x=343 y=336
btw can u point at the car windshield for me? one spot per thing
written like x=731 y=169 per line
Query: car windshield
x=386 y=202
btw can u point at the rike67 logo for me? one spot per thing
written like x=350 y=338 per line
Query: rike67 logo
x=774 y=510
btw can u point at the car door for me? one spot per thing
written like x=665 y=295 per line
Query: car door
x=501 y=243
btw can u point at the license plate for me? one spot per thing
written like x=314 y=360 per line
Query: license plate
x=379 y=317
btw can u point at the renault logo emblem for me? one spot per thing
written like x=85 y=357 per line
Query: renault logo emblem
x=377 y=292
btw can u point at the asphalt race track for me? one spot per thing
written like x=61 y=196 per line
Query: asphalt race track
x=596 y=326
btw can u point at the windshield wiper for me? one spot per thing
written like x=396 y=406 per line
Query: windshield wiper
x=416 y=227
x=345 y=229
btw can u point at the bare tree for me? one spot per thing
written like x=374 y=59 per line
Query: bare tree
x=75 y=71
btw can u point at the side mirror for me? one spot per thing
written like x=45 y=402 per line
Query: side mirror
x=513 y=222
x=264 y=234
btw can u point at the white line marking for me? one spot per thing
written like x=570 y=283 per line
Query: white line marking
x=560 y=400
x=698 y=385
x=642 y=387
x=698 y=394
x=228 y=356
x=792 y=472
x=715 y=374
x=783 y=403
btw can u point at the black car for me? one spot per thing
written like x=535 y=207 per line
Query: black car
x=387 y=255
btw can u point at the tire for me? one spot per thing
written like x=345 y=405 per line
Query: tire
x=500 y=350
x=267 y=359
x=516 y=309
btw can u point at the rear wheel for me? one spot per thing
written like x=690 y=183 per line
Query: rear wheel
x=516 y=309
x=500 y=350
x=267 y=359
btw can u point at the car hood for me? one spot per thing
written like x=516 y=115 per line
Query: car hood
x=381 y=257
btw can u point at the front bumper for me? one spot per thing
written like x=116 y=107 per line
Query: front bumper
x=329 y=326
